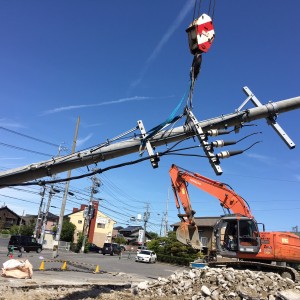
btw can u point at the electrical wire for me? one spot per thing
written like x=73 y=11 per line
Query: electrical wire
x=23 y=149
x=29 y=137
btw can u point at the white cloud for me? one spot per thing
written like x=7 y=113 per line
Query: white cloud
x=80 y=106
x=81 y=142
x=10 y=124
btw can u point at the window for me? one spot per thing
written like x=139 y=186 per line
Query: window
x=100 y=225
x=79 y=221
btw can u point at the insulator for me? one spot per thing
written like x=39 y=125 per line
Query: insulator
x=221 y=143
x=218 y=143
x=215 y=132
x=226 y=154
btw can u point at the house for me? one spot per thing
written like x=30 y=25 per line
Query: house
x=116 y=233
x=131 y=234
x=52 y=220
x=206 y=232
x=8 y=218
x=101 y=226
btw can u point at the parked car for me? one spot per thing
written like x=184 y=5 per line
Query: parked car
x=140 y=248
x=123 y=248
x=95 y=248
x=146 y=256
x=24 y=243
x=111 y=248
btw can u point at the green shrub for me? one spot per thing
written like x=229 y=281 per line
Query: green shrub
x=182 y=261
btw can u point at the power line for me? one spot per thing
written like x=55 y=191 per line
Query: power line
x=27 y=150
x=18 y=199
x=29 y=137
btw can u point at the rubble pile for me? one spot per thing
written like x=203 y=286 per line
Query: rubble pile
x=219 y=284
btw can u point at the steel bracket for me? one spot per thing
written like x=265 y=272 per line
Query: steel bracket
x=153 y=159
x=271 y=120
x=213 y=160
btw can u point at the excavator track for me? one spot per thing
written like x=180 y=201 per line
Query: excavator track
x=285 y=272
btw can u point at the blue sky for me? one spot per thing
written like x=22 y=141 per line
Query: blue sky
x=114 y=63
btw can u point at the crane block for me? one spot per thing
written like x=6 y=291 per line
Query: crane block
x=201 y=34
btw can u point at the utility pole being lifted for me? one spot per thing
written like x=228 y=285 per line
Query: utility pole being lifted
x=201 y=129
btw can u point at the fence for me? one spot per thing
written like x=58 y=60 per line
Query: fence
x=64 y=245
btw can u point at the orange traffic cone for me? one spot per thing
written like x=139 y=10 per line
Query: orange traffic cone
x=64 y=266
x=42 y=266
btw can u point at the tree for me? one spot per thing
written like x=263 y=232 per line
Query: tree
x=79 y=244
x=67 y=231
x=167 y=247
x=120 y=240
x=23 y=229
x=153 y=235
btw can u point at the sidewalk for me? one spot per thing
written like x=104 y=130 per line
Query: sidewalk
x=71 y=279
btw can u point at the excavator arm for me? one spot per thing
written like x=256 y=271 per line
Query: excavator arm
x=187 y=233
x=227 y=197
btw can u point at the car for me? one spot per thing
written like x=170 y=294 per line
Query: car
x=140 y=248
x=24 y=243
x=111 y=248
x=95 y=248
x=146 y=256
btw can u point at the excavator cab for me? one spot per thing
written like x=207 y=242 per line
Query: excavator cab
x=236 y=234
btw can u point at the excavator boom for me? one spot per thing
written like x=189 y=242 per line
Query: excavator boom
x=187 y=232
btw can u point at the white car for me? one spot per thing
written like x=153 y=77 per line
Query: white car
x=140 y=248
x=146 y=256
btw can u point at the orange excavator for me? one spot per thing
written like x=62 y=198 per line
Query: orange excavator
x=236 y=233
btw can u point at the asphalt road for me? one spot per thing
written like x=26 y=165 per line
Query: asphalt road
x=83 y=266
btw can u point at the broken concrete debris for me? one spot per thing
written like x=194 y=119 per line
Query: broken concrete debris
x=219 y=284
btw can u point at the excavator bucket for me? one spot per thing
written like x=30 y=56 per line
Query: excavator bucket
x=188 y=235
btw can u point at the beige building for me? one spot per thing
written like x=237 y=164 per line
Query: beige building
x=206 y=232
x=101 y=226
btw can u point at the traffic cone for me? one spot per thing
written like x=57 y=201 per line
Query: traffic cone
x=97 y=270
x=42 y=266
x=64 y=266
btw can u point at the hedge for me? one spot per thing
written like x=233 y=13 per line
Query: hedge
x=182 y=261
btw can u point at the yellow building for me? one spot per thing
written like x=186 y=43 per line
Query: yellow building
x=101 y=226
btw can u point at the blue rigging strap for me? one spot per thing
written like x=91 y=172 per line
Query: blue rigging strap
x=173 y=117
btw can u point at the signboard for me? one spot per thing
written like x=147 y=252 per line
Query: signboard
x=101 y=220
x=141 y=236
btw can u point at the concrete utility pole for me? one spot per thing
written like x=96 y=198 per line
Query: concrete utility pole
x=201 y=129
x=36 y=229
x=64 y=201
x=166 y=215
x=146 y=218
x=45 y=217
x=21 y=222
x=90 y=211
